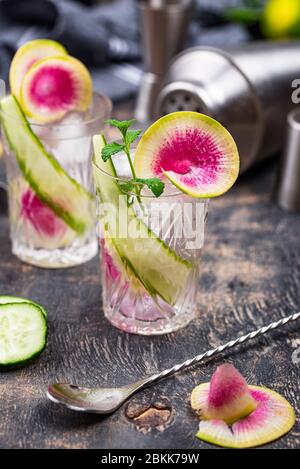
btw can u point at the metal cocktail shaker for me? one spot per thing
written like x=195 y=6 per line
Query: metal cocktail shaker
x=163 y=26
x=248 y=89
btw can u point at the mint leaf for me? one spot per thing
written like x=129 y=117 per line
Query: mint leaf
x=131 y=136
x=123 y=126
x=127 y=186
x=155 y=185
x=111 y=149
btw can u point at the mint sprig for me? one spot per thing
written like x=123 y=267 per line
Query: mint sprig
x=129 y=136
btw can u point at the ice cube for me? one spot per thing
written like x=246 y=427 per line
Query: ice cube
x=68 y=140
x=121 y=165
x=70 y=120
x=73 y=150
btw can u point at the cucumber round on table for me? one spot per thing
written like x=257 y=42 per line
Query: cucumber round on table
x=4 y=299
x=23 y=333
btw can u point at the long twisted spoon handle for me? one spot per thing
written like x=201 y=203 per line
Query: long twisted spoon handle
x=221 y=348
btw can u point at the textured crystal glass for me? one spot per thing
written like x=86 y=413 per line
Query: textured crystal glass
x=150 y=251
x=38 y=235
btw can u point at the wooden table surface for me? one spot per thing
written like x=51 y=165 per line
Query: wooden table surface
x=250 y=277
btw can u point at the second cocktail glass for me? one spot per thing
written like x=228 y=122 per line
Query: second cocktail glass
x=40 y=235
x=150 y=253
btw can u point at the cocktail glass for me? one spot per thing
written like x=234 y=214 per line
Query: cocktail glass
x=150 y=251
x=38 y=235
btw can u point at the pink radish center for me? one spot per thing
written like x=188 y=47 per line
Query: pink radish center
x=259 y=416
x=226 y=385
x=52 y=88
x=190 y=152
x=40 y=216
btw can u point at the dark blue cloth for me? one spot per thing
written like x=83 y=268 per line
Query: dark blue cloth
x=105 y=37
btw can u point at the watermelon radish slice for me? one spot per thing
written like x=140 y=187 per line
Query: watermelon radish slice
x=42 y=225
x=196 y=153
x=54 y=86
x=235 y=415
x=38 y=224
x=27 y=55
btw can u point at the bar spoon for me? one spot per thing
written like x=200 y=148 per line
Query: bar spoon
x=107 y=400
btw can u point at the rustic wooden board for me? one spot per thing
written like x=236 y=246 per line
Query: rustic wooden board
x=250 y=276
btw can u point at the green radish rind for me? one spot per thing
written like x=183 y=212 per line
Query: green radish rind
x=23 y=141
x=7 y=299
x=144 y=262
x=26 y=334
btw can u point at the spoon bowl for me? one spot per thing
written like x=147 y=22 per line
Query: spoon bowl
x=96 y=400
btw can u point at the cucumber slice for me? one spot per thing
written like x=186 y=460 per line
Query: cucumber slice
x=65 y=196
x=23 y=333
x=158 y=267
x=5 y=299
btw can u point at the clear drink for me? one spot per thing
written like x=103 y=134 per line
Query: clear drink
x=150 y=252
x=39 y=235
